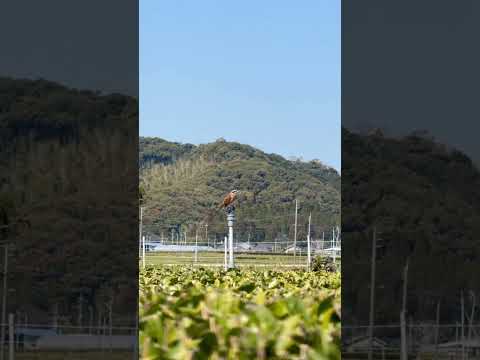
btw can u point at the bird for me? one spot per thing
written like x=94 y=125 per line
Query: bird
x=229 y=199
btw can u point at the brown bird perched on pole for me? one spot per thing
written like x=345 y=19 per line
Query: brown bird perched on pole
x=229 y=199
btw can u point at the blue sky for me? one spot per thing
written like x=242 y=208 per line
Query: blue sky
x=265 y=73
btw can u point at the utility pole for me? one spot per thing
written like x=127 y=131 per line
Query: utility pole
x=196 y=244
x=472 y=314
x=11 y=338
x=372 y=295
x=143 y=252
x=4 y=301
x=309 y=258
x=403 y=332
x=463 y=327
x=141 y=224
x=80 y=308
x=206 y=234
x=436 y=330
x=295 y=234
x=55 y=317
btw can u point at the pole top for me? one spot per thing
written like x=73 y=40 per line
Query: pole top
x=230 y=210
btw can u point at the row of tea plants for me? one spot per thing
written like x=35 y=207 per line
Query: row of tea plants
x=202 y=313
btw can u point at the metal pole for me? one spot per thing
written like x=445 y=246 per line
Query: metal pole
x=4 y=301
x=295 y=234
x=404 y=355
x=231 y=219
x=225 y=245
x=309 y=258
x=143 y=252
x=110 y=320
x=372 y=295
x=80 y=308
x=334 y=246
x=141 y=224
x=206 y=234
x=472 y=314
x=436 y=330
x=463 y=329
x=196 y=245
x=11 y=337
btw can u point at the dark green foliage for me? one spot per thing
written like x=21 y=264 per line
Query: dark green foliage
x=325 y=264
x=62 y=151
x=185 y=184
x=424 y=200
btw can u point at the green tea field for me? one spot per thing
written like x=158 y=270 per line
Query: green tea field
x=207 y=313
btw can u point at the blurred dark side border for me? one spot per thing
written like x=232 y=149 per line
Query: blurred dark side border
x=410 y=179
x=69 y=178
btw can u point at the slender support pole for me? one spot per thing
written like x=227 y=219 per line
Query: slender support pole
x=472 y=315
x=463 y=328
x=141 y=224
x=404 y=355
x=225 y=245
x=295 y=234
x=309 y=257
x=372 y=295
x=206 y=235
x=436 y=330
x=143 y=252
x=11 y=338
x=196 y=245
x=231 y=219
x=4 y=301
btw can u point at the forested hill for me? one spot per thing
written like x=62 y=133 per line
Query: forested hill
x=182 y=184
x=424 y=200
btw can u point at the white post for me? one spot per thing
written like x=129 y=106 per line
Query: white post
x=196 y=245
x=11 y=337
x=225 y=245
x=206 y=234
x=143 y=252
x=231 y=219
x=334 y=247
x=309 y=258
x=4 y=302
x=295 y=234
